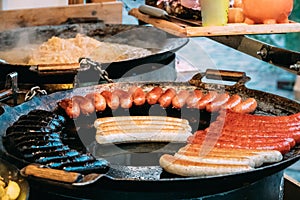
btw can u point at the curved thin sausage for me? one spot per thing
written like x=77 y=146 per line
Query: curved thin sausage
x=153 y=95
x=112 y=100
x=98 y=101
x=251 y=127
x=86 y=105
x=138 y=96
x=64 y=103
x=247 y=106
x=282 y=146
x=179 y=99
x=193 y=98
x=217 y=103
x=207 y=98
x=233 y=101
x=72 y=108
x=165 y=99
x=247 y=138
x=125 y=98
x=294 y=118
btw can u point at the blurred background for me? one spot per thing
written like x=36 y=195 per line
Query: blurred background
x=289 y=40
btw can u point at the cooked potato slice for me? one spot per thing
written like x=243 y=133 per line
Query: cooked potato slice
x=13 y=190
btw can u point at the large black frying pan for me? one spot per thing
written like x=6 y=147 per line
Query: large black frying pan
x=139 y=174
x=162 y=45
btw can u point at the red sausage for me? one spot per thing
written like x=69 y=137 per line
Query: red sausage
x=64 y=103
x=261 y=127
x=253 y=120
x=153 y=95
x=165 y=99
x=249 y=132
x=112 y=100
x=193 y=98
x=247 y=106
x=233 y=101
x=86 y=105
x=250 y=138
x=124 y=97
x=138 y=96
x=98 y=101
x=238 y=129
x=239 y=135
x=72 y=109
x=262 y=124
x=179 y=99
x=295 y=135
x=251 y=127
x=282 y=146
x=209 y=97
x=254 y=140
x=265 y=119
x=217 y=103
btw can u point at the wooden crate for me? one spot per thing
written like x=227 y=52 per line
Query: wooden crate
x=88 y=1
x=108 y=11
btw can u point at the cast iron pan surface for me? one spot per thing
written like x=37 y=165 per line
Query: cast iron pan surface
x=139 y=176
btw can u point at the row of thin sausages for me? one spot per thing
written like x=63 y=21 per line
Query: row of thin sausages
x=251 y=131
x=235 y=142
x=212 y=101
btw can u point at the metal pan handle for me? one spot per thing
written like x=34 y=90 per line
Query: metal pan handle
x=11 y=88
x=52 y=174
x=225 y=75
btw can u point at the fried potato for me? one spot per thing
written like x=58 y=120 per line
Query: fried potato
x=10 y=191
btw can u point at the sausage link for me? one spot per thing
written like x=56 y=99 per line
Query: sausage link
x=233 y=101
x=138 y=95
x=217 y=103
x=125 y=98
x=98 y=101
x=188 y=168
x=209 y=97
x=245 y=131
x=294 y=118
x=283 y=146
x=165 y=99
x=64 y=103
x=153 y=95
x=112 y=100
x=86 y=105
x=72 y=108
x=193 y=98
x=179 y=99
x=247 y=106
x=258 y=156
x=249 y=138
x=295 y=135
x=253 y=127
x=283 y=143
x=253 y=122
x=262 y=128
x=264 y=125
